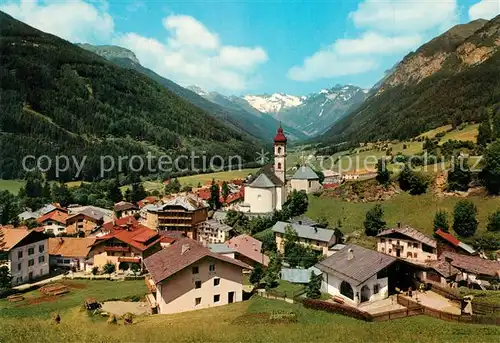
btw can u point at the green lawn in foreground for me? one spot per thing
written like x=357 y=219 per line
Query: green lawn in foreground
x=247 y=322
x=416 y=211
x=37 y=305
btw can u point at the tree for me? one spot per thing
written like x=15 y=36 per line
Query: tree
x=374 y=221
x=271 y=275
x=214 y=200
x=135 y=268
x=313 y=288
x=95 y=270
x=484 y=135
x=383 y=174
x=173 y=186
x=138 y=192
x=464 y=218
x=459 y=175
x=123 y=266
x=296 y=204
x=187 y=189
x=114 y=192
x=61 y=194
x=225 y=191
x=490 y=174
x=441 y=221
x=256 y=275
x=128 y=195
x=494 y=222
x=46 y=190
x=321 y=175
x=109 y=268
x=5 y=277
x=413 y=182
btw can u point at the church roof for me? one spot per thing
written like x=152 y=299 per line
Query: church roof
x=280 y=136
x=265 y=178
x=305 y=173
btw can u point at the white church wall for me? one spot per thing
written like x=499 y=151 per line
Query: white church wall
x=261 y=200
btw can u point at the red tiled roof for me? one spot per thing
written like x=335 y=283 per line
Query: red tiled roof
x=147 y=200
x=180 y=255
x=120 y=223
x=448 y=237
x=71 y=246
x=137 y=236
x=55 y=215
x=204 y=193
x=249 y=247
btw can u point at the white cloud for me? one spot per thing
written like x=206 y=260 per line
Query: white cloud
x=374 y=43
x=76 y=20
x=405 y=15
x=484 y=9
x=192 y=54
x=388 y=27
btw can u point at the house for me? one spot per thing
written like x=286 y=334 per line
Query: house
x=184 y=214
x=305 y=179
x=212 y=231
x=150 y=200
x=54 y=222
x=248 y=250
x=448 y=242
x=474 y=271
x=266 y=191
x=313 y=237
x=125 y=209
x=26 y=252
x=356 y=274
x=27 y=215
x=70 y=252
x=129 y=243
x=407 y=243
x=222 y=248
x=84 y=220
x=188 y=276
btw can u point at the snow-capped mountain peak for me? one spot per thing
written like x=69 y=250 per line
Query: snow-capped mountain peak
x=273 y=103
x=198 y=90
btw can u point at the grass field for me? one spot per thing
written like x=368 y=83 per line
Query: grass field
x=37 y=305
x=417 y=211
x=12 y=186
x=245 y=322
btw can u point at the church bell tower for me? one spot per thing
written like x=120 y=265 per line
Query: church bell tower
x=280 y=154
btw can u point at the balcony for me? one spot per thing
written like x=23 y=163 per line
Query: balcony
x=117 y=249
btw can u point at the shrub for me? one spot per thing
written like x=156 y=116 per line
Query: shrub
x=123 y=266
x=135 y=268
x=494 y=222
x=441 y=221
x=95 y=270
x=109 y=268
x=374 y=221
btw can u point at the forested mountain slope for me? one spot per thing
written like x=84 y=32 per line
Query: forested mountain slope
x=56 y=98
x=452 y=79
x=260 y=126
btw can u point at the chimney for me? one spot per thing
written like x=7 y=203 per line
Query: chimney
x=315 y=229
x=399 y=225
x=350 y=254
x=254 y=247
x=185 y=248
x=300 y=222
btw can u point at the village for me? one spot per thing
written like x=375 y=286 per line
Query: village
x=192 y=256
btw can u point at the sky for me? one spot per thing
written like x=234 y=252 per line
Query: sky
x=256 y=46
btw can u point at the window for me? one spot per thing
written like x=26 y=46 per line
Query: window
x=376 y=288
x=41 y=248
x=390 y=251
x=310 y=184
x=382 y=240
x=197 y=284
x=31 y=263
x=19 y=267
x=67 y=261
x=383 y=249
x=19 y=254
x=427 y=248
x=41 y=259
x=390 y=241
x=195 y=270
x=279 y=166
x=60 y=261
x=415 y=245
x=409 y=255
x=415 y=255
x=211 y=268
x=216 y=282
x=216 y=298
x=197 y=301
x=31 y=251
x=279 y=150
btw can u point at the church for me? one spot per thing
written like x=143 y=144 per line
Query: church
x=266 y=191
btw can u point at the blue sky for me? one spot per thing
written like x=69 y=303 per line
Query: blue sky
x=249 y=47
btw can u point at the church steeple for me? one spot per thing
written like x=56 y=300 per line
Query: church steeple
x=280 y=154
